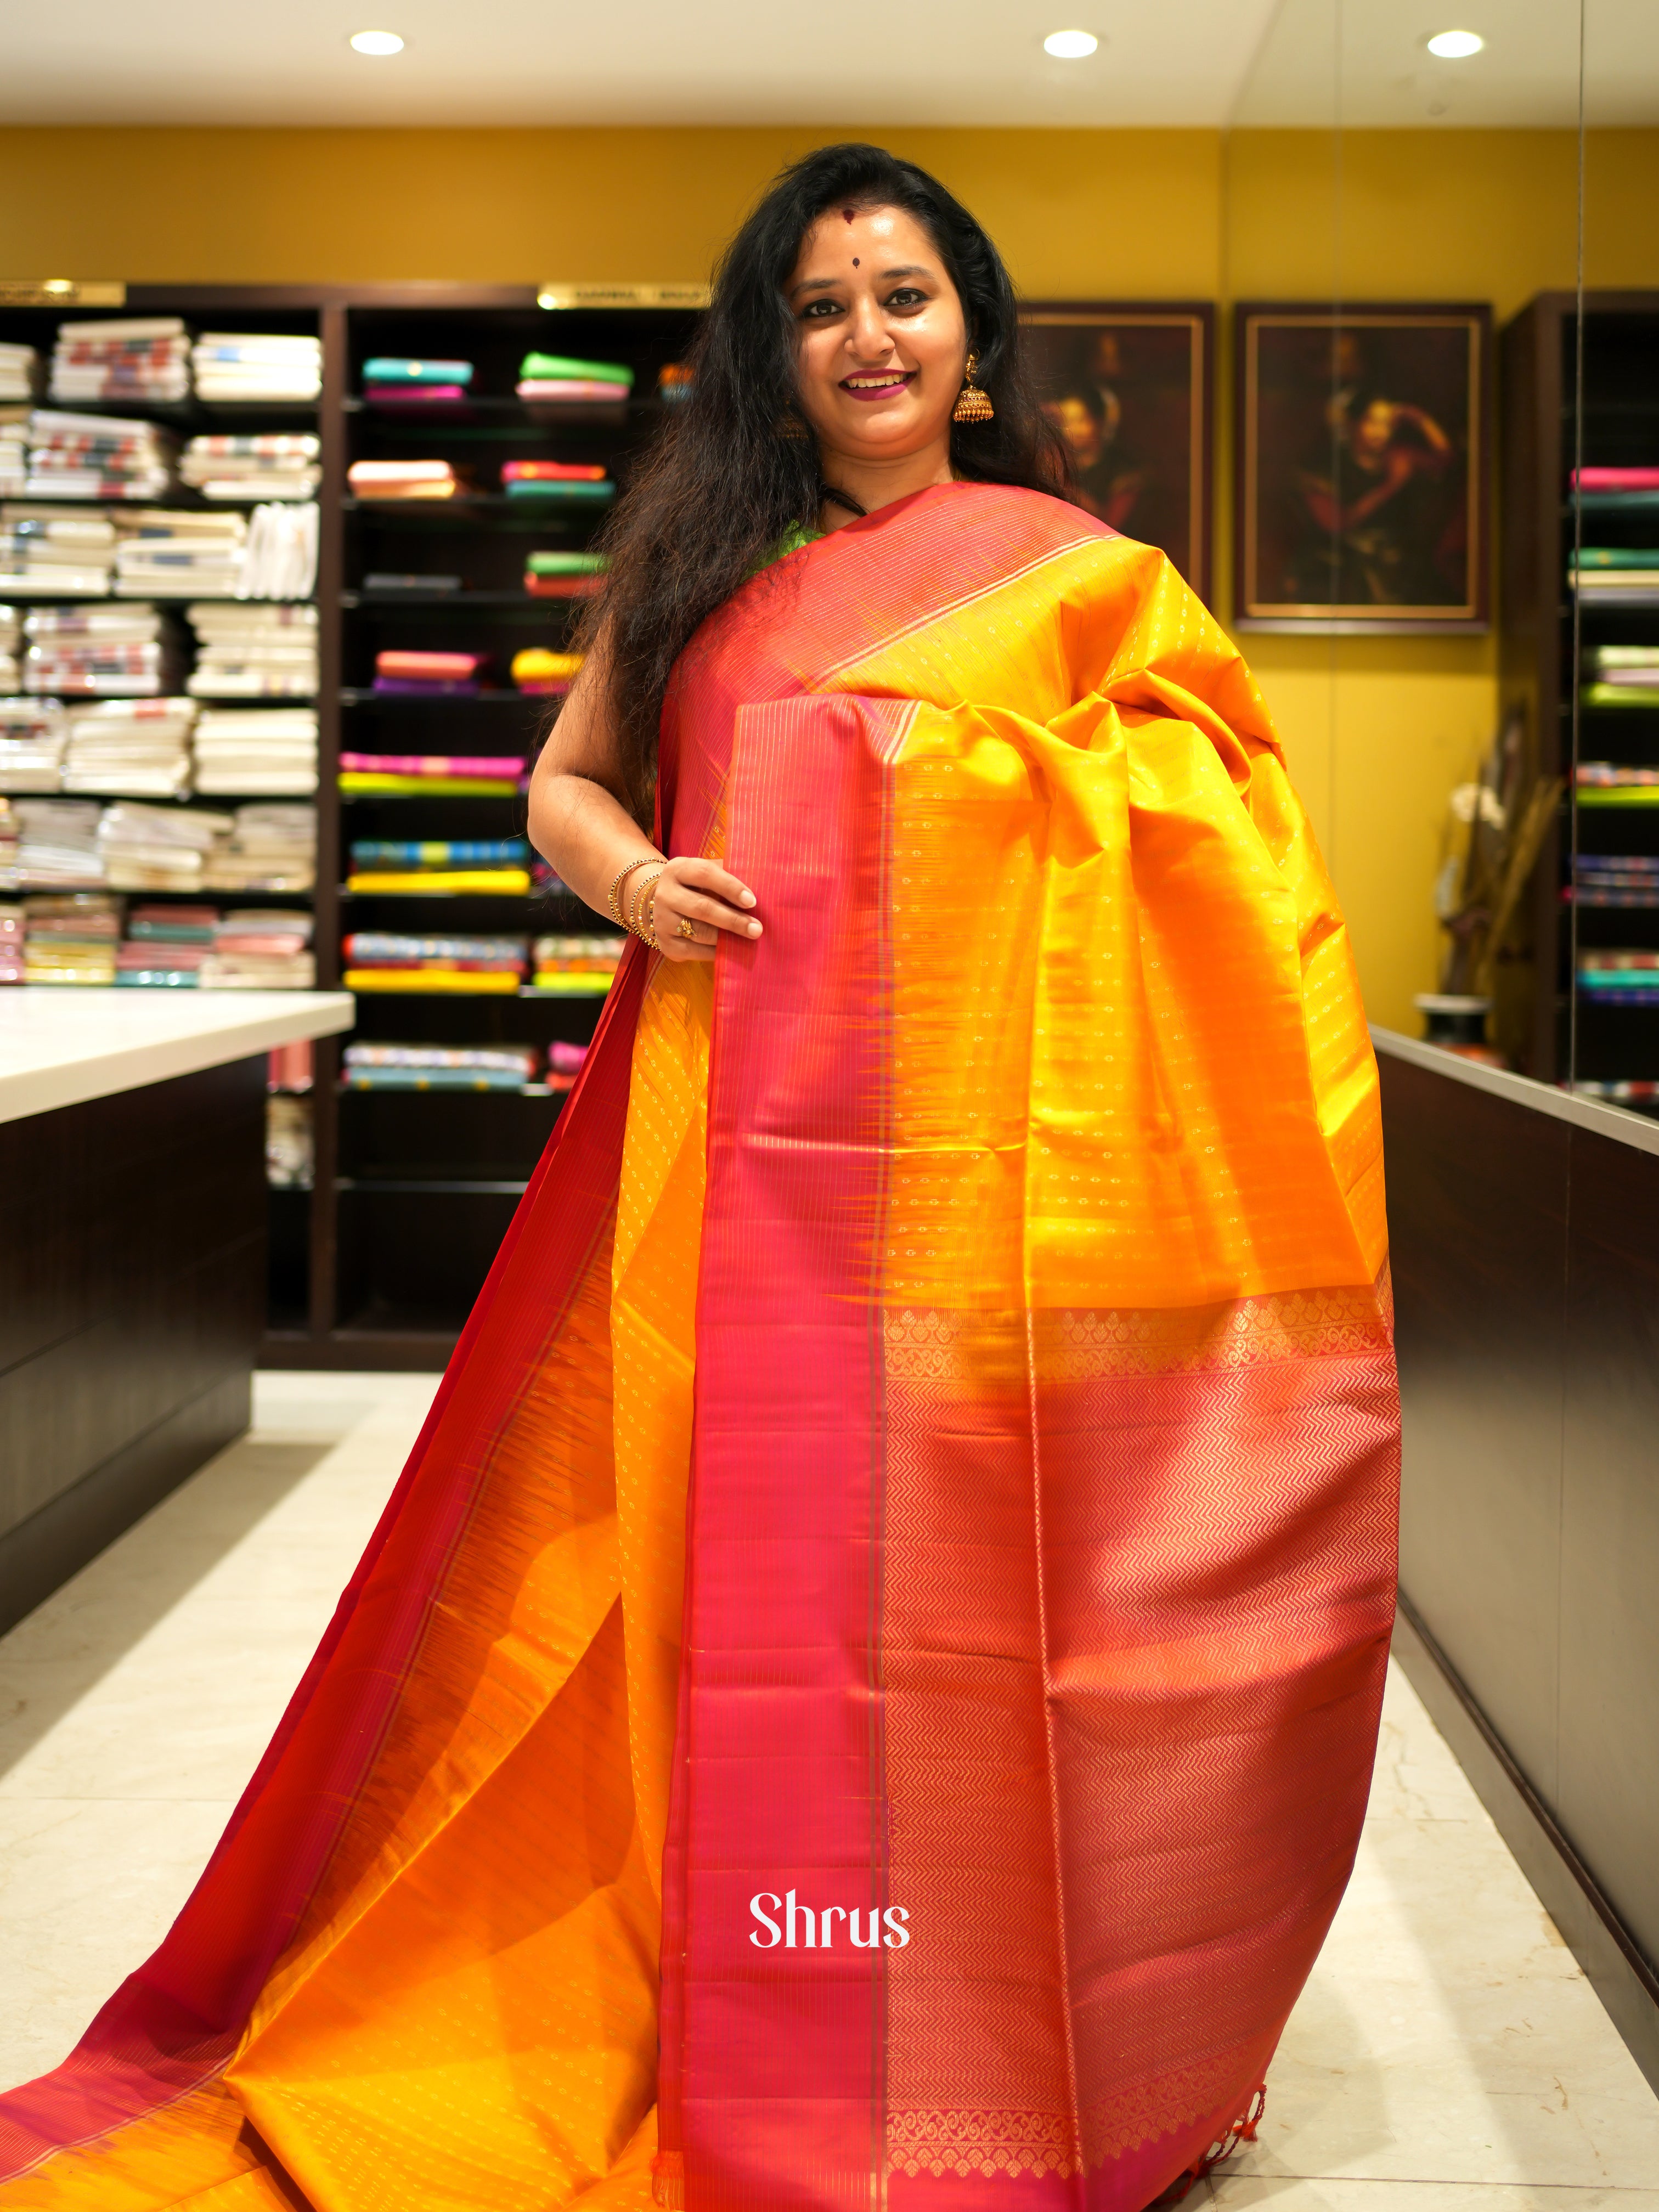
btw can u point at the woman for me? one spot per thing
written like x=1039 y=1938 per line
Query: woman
x=866 y=1690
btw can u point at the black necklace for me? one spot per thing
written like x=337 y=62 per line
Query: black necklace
x=833 y=493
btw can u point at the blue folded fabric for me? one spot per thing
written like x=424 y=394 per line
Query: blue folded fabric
x=387 y=368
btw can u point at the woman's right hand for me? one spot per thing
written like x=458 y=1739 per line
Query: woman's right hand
x=706 y=899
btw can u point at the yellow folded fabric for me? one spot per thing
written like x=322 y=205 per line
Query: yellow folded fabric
x=505 y=880
x=505 y=986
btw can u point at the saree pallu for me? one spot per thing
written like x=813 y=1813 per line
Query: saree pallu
x=865 y=1692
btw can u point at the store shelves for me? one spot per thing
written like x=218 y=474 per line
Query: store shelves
x=1547 y=645
x=378 y=1264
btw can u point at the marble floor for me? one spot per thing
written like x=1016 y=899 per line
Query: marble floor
x=1446 y=2055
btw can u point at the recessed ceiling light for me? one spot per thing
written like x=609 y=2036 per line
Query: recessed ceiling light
x=1070 y=45
x=1456 y=45
x=376 y=42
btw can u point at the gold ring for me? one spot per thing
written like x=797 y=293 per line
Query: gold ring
x=683 y=928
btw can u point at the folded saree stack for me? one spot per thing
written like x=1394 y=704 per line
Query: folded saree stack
x=47 y=553
x=577 y=967
x=433 y=775
x=136 y=747
x=253 y=650
x=171 y=553
x=403 y=480
x=398 y=383
x=550 y=674
x=14 y=451
x=561 y=387
x=431 y=868
x=459 y=965
x=1610 y=783
x=269 y=750
x=1614 y=880
x=555 y=483
x=12 y=646
x=260 y=949
x=272 y=847
x=58 y=844
x=98 y=457
x=11 y=914
x=556 y=575
x=1616 y=576
x=424 y=675
x=111 y=653
x=72 y=939
x=19 y=371
x=158 y=848
x=1616 y=977
x=32 y=735
x=164 y=947
x=261 y=464
x=243 y=366
x=145 y=359
x=439 y=1068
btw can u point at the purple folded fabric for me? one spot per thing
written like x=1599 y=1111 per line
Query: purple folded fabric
x=409 y=688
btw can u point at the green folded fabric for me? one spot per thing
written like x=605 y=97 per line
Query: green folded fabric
x=1618 y=556
x=566 y=564
x=1619 y=694
x=588 y=494
x=559 y=365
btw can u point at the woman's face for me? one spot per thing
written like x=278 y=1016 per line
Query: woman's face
x=881 y=340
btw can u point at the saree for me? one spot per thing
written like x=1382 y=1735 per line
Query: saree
x=865 y=1692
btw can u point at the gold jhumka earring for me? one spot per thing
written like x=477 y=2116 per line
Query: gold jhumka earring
x=972 y=405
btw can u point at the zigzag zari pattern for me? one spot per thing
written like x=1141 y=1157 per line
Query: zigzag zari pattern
x=929 y=1345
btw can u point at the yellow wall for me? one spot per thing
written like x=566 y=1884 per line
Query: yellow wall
x=1378 y=730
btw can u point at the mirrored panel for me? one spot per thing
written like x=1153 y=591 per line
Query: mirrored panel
x=1401 y=193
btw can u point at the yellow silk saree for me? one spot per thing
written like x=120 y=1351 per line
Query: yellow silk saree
x=866 y=1692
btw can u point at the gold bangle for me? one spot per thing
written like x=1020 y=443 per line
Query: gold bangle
x=613 y=899
x=637 y=900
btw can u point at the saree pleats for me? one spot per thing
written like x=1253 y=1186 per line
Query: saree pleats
x=865 y=1693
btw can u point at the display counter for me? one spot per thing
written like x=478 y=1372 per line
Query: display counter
x=132 y=1233
x=1524 y=1229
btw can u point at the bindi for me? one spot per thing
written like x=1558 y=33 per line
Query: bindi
x=855 y=261
x=847 y=213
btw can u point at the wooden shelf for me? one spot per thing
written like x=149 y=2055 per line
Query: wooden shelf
x=350 y=1287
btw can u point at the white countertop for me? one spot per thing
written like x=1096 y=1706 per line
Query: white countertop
x=1599 y=1115
x=63 y=1043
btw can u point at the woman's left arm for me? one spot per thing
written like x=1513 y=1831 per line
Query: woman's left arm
x=581 y=824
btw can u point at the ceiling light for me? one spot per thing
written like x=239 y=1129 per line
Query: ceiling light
x=1070 y=45
x=1456 y=45
x=376 y=42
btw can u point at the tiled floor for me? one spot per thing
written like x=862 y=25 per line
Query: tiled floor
x=1446 y=2055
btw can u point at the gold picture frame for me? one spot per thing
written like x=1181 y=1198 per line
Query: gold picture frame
x=1362 y=462
x=1128 y=383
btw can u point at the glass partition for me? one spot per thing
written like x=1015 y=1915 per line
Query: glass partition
x=1401 y=253
x=1607 y=646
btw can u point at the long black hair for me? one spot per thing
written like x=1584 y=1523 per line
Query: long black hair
x=725 y=481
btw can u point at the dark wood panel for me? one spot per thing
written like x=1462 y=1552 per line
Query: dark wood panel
x=80 y=1402
x=41 y=1554
x=100 y=1200
x=1478 y=1232
x=1608 y=1798
x=132 y=1264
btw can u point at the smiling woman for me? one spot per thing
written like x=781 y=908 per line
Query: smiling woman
x=924 y=1460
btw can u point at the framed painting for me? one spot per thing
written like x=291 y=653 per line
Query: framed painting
x=1127 y=383
x=1361 y=466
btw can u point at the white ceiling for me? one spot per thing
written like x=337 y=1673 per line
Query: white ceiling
x=1200 y=62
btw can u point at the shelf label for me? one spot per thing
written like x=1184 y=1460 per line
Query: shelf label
x=622 y=295
x=60 y=292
